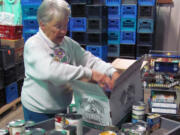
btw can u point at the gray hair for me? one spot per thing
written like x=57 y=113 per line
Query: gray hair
x=53 y=9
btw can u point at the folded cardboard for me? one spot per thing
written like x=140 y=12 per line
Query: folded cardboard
x=97 y=109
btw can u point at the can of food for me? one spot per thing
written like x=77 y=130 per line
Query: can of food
x=17 y=126
x=28 y=132
x=139 y=106
x=60 y=121
x=38 y=131
x=125 y=128
x=75 y=120
x=108 y=133
x=4 y=132
x=57 y=132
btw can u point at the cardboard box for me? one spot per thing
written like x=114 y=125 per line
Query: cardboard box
x=98 y=110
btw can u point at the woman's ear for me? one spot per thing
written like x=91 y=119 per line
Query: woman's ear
x=42 y=25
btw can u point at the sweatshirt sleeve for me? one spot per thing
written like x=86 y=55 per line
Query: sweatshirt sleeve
x=87 y=59
x=40 y=65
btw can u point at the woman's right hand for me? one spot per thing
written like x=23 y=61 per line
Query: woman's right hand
x=103 y=80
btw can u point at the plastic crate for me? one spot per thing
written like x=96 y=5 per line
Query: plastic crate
x=129 y=2
x=78 y=10
x=2 y=97
x=1 y=79
x=114 y=24
x=31 y=1
x=128 y=37
x=141 y=50
x=28 y=33
x=145 y=25
x=11 y=92
x=114 y=11
x=144 y=39
x=96 y=38
x=77 y=1
x=113 y=50
x=113 y=2
x=102 y=2
x=9 y=75
x=146 y=2
x=11 y=32
x=20 y=70
x=78 y=24
x=128 y=11
x=99 y=51
x=80 y=37
x=96 y=11
x=30 y=23
x=127 y=51
x=128 y=24
x=7 y=57
x=96 y=25
x=146 y=11
x=113 y=37
x=29 y=10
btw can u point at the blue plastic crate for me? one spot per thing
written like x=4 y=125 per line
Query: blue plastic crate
x=145 y=39
x=78 y=24
x=113 y=50
x=128 y=24
x=114 y=11
x=128 y=37
x=96 y=11
x=30 y=23
x=146 y=2
x=99 y=51
x=29 y=10
x=128 y=11
x=11 y=92
x=128 y=51
x=114 y=24
x=113 y=37
x=145 y=25
x=28 y=33
x=31 y=1
x=96 y=38
x=96 y=25
x=113 y=2
x=77 y=1
x=146 y=12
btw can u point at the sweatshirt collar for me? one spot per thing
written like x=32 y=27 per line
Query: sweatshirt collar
x=49 y=42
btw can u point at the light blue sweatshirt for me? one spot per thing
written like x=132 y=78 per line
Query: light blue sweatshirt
x=47 y=72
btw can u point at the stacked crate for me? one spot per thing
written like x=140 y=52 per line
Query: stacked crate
x=114 y=8
x=145 y=26
x=128 y=28
x=88 y=26
x=11 y=69
x=29 y=18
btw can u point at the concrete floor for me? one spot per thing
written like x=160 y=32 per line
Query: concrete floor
x=10 y=116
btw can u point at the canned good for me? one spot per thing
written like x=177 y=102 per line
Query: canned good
x=75 y=120
x=4 y=132
x=125 y=128
x=28 y=132
x=139 y=106
x=17 y=126
x=108 y=133
x=38 y=131
x=56 y=132
x=60 y=121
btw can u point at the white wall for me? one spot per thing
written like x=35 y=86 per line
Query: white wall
x=167 y=36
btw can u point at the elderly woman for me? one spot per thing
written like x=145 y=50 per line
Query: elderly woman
x=52 y=60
